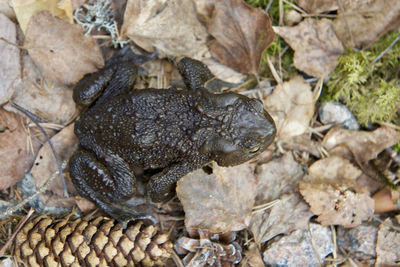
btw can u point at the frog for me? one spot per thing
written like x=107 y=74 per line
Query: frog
x=173 y=131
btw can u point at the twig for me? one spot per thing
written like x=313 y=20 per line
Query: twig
x=11 y=239
x=268 y=6
x=265 y=206
x=295 y=7
x=387 y=49
x=318 y=89
x=32 y=118
x=314 y=246
x=273 y=71
x=346 y=22
x=334 y=254
x=44 y=187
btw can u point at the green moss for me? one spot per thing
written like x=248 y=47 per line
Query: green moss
x=274 y=51
x=370 y=89
x=396 y=148
x=273 y=8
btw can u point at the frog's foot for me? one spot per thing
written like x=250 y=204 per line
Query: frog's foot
x=111 y=187
x=130 y=210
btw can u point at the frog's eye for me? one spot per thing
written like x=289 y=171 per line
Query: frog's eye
x=254 y=149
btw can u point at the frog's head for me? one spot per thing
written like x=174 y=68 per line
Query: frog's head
x=248 y=130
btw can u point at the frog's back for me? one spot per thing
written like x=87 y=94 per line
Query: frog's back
x=150 y=127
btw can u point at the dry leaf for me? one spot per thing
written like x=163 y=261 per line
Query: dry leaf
x=299 y=248
x=223 y=72
x=292 y=106
x=241 y=34
x=6 y=9
x=364 y=22
x=252 y=257
x=169 y=26
x=316 y=46
x=25 y=10
x=15 y=153
x=303 y=143
x=64 y=142
x=334 y=167
x=318 y=6
x=52 y=103
x=290 y=213
x=60 y=50
x=9 y=54
x=84 y=204
x=388 y=244
x=341 y=203
x=277 y=177
x=220 y=202
x=363 y=145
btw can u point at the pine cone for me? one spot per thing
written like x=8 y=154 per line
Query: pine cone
x=209 y=249
x=101 y=241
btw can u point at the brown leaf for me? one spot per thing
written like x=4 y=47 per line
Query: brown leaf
x=333 y=168
x=289 y=214
x=45 y=164
x=7 y=9
x=364 y=22
x=252 y=256
x=241 y=34
x=9 y=54
x=60 y=50
x=169 y=26
x=341 y=203
x=277 y=177
x=53 y=103
x=388 y=244
x=318 y=6
x=220 y=202
x=292 y=106
x=14 y=150
x=363 y=145
x=316 y=46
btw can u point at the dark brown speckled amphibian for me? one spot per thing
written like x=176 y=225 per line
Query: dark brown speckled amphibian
x=175 y=131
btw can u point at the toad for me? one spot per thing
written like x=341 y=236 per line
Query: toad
x=169 y=130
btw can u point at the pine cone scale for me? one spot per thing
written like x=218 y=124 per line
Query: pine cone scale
x=97 y=242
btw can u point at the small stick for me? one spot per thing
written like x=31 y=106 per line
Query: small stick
x=32 y=118
x=387 y=49
x=20 y=225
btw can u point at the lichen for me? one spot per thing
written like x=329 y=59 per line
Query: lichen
x=98 y=14
x=369 y=85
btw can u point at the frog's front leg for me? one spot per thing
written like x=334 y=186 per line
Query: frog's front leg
x=110 y=185
x=161 y=186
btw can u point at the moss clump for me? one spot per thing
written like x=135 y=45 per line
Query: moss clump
x=396 y=148
x=370 y=89
x=286 y=60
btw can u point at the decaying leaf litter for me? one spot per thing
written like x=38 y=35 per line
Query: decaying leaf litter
x=317 y=189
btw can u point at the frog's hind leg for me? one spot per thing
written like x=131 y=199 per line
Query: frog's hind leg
x=107 y=188
x=95 y=88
